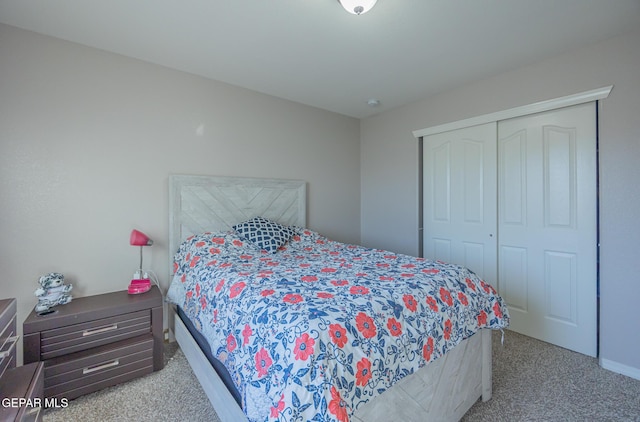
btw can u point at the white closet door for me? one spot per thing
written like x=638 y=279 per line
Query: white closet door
x=548 y=225
x=459 y=202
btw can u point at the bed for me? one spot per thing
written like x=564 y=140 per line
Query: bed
x=307 y=328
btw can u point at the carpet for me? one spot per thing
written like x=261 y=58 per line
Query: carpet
x=537 y=381
x=532 y=381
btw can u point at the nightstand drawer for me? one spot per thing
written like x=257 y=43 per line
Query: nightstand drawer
x=78 y=337
x=83 y=372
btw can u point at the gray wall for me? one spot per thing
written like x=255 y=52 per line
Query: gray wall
x=89 y=138
x=389 y=169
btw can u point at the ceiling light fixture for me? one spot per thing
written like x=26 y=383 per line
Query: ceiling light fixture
x=357 y=7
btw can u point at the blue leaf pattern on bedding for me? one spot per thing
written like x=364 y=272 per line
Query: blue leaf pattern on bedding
x=319 y=328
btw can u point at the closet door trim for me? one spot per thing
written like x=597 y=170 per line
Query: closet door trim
x=569 y=100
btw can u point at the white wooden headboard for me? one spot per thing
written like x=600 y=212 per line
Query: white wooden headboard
x=199 y=204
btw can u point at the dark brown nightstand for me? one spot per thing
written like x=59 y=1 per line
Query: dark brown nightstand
x=21 y=388
x=96 y=342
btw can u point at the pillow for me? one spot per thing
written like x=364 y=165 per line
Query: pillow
x=265 y=234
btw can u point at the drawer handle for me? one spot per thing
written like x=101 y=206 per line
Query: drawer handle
x=91 y=369
x=14 y=341
x=99 y=330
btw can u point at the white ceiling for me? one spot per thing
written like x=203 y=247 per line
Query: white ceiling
x=315 y=53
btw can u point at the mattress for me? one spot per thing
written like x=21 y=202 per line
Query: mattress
x=221 y=370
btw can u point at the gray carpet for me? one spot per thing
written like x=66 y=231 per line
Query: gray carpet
x=532 y=381
x=536 y=381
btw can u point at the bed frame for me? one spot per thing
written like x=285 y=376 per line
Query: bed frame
x=444 y=390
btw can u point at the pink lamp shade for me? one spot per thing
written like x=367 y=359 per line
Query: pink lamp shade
x=139 y=239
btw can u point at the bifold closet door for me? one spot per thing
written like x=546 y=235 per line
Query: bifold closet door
x=547 y=225
x=459 y=198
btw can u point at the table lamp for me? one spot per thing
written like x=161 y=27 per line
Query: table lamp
x=140 y=282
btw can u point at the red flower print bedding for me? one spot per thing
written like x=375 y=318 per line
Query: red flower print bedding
x=319 y=327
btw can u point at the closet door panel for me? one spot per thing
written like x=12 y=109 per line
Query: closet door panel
x=559 y=176
x=513 y=178
x=472 y=175
x=474 y=256
x=561 y=284
x=441 y=183
x=441 y=250
x=548 y=210
x=514 y=278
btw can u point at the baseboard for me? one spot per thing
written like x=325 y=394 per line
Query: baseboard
x=620 y=368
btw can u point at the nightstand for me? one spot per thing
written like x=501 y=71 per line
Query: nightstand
x=96 y=342
x=21 y=388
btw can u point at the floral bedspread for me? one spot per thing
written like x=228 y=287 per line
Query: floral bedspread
x=318 y=328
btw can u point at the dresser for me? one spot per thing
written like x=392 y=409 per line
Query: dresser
x=96 y=342
x=21 y=388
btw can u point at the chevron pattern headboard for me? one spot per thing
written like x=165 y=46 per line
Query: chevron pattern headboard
x=200 y=204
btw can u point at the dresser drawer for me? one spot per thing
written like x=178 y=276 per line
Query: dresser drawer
x=22 y=387
x=78 y=337
x=8 y=343
x=8 y=336
x=7 y=312
x=83 y=372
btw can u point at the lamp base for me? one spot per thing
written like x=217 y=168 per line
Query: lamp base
x=139 y=285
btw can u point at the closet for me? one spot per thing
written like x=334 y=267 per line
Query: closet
x=515 y=200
